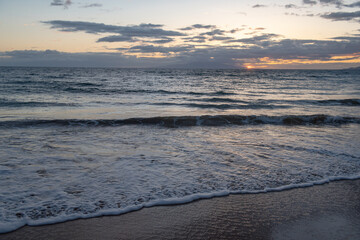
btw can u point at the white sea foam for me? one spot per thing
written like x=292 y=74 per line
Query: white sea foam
x=11 y=226
x=68 y=172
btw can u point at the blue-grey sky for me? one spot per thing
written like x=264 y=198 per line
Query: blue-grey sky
x=198 y=33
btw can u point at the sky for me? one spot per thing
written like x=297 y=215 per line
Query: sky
x=269 y=34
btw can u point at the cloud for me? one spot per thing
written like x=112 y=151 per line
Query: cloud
x=150 y=34
x=292 y=14
x=310 y=49
x=195 y=39
x=117 y=38
x=297 y=50
x=62 y=3
x=31 y=53
x=125 y=33
x=197 y=26
x=353 y=5
x=159 y=49
x=337 y=3
x=151 y=45
x=92 y=5
x=262 y=39
x=203 y=26
x=237 y=30
x=220 y=38
x=186 y=28
x=342 y=16
x=51 y=58
x=290 y=6
x=57 y=3
x=214 y=32
x=330 y=1
x=348 y=38
x=120 y=38
x=162 y=41
x=310 y=2
x=261 y=49
x=259 y=6
x=335 y=16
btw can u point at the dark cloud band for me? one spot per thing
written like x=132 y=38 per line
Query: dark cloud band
x=343 y=16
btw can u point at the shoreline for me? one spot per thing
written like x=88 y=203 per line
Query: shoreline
x=329 y=211
x=175 y=201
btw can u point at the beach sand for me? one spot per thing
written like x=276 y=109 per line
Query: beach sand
x=329 y=211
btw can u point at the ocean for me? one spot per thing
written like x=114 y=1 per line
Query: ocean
x=85 y=142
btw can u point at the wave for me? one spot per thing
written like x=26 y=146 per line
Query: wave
x=93 y=88
x=203 y=103
x=220 y=99
x=87 y=84
x=9 y=103
x=328 y=102
x=222 y=106
x=12 y=226
x=166 y=92
x=346 y=102
x=190 y=121
x=59 y=76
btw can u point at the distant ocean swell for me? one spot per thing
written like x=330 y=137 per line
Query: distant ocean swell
x=13 y=103
x=222 y=106
x=189 y=121
x=344 y=102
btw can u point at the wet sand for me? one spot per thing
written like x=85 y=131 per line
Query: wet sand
x=329 y=211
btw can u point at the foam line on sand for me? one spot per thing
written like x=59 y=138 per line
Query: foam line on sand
x=329 y=211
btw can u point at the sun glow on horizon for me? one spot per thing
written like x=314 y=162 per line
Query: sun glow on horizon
x=249 y=67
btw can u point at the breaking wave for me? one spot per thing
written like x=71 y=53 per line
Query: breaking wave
x=189 y=121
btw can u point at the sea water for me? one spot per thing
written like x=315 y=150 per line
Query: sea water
x=85 y=142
